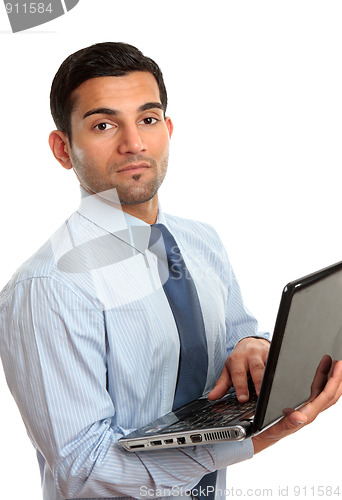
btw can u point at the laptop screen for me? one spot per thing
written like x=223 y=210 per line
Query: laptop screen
x=313 y=329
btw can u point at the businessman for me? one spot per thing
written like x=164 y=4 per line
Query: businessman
x=97 y=337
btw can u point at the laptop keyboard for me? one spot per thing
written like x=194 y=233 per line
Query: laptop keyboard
x=217 y=414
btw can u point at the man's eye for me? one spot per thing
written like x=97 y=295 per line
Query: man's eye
x=103 y=126
x=149 y=120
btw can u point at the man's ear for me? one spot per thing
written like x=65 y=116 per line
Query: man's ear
x=169 y=125
x=60 y=147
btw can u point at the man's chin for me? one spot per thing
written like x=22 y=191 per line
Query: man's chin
x=137 y=196
x=135 y=200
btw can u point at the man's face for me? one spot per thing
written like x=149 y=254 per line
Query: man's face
x=120 y=138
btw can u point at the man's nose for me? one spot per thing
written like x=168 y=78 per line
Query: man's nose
x=130 y=140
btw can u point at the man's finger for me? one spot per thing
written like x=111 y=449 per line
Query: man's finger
x=329 y=396
x=321 y=376
x=222 y=385
x=238 y=373
x=256 y=369
x=248 y=358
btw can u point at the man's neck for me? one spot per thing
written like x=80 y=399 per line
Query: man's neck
x=147 y=211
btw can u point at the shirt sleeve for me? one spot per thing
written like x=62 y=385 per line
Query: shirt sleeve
x=240 y=322
x=53 y=348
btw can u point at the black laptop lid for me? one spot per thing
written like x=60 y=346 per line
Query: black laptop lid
x=308 y=327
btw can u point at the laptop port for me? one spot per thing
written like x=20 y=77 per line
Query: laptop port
x=196 y=438
x=181 y=440
x=156 y=443
x=168 y=441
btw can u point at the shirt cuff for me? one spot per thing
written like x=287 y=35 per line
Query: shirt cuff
x=233 y=452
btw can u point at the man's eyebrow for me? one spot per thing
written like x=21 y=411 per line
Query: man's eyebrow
x=110 y=111
x=150 y=105
x=100 y=111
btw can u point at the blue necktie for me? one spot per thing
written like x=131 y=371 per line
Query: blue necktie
x=181 y=293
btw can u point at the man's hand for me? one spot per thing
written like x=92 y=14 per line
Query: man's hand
x=305 y=415
x=248 y=358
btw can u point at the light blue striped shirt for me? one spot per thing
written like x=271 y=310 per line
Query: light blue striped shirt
x=90 y=350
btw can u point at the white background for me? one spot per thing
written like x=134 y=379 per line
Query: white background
x=255 y=96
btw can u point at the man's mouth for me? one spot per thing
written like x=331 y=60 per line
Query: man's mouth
x=134 y=168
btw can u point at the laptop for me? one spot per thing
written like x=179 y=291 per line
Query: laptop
x=307 y=335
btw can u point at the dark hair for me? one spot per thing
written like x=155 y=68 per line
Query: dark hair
x=101 y=59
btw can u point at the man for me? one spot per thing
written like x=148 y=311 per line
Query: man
x=90 y=341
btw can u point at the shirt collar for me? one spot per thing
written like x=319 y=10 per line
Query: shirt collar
x=105 y=211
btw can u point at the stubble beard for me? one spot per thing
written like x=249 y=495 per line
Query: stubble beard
x=135 y=190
